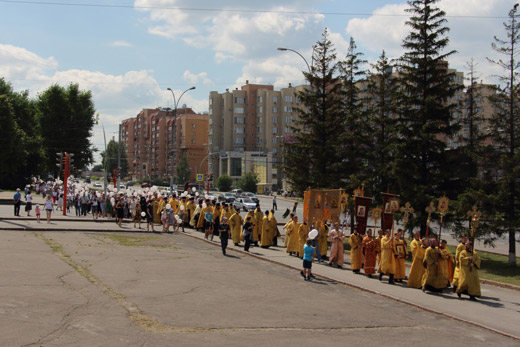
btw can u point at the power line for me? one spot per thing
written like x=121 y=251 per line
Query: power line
x=194 y=9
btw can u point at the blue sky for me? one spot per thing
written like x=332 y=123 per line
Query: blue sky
x=129 y=55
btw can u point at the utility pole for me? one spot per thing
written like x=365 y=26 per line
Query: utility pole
x=119 y=159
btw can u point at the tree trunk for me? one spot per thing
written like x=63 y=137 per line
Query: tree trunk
x=512 y=248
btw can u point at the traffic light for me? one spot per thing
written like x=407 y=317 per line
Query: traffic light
x=210 y=178
x=71 y=161
x=59 y=160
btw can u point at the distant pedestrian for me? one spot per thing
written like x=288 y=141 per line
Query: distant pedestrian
x=28 y=203
x=49 y=206
x=275 y=206
x=17 y=198
x=37 y=211
x=247 y=231
x=224 y=234
x=149 y=215
x=308 y=253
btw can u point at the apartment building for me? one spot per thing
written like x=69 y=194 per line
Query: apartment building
x=154 y=144
x=247 y=128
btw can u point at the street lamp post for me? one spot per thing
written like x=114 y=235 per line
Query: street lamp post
x=175 y=104
x=105 y=159
x=283 y=49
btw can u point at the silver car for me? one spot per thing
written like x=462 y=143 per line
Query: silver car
x=245 y=204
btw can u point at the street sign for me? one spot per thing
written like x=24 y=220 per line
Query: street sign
x=200 y=177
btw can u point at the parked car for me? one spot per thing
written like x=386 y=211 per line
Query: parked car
x=237 y=192
x=251 y=196
x=226 y=197
x=245 y=204
x=129 y=184
x=97 y=184
x=145 y=185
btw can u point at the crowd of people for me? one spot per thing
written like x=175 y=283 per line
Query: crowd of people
x=433 y=267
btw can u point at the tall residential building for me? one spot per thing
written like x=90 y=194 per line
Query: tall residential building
x=153 y=151
x=247 y=128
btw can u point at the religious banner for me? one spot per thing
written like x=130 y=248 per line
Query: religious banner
x=321 y=205
x=390 y=205
x=306 y=201
x=361 y=206
x=333 y=199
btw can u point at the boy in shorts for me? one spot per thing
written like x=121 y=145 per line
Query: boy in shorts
x=308 y=253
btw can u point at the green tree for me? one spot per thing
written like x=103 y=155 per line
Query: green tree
x=505 y=127
x=312 y=154
x=183 y=170
x=12 y=152
x=66 y=118
x=248 y=182
x=224 y=183
x=425 y=116
x=111 y=158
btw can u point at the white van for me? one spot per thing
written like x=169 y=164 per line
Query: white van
x=237 y=192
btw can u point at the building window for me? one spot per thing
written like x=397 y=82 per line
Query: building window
x=287 y=130
x=258 y=130
x=211 y=101
x=275 y=120
x=287 y=109
x=210 y=111
x=192 y=141
x=258 y=140
x=236 y=167
x=275 y=140
x=287 y=119
x=288 y=98
x=239 y=140
x=259 y=99
x=275 y=130
x=240 y=100
x=211 y=131
x=239 y=110
x=192 y=133
x=275 y=109
x=239 y=120
x=239 y=130
x=275 y=99
x=259 y=109
x=275 y=150
x=259 y=120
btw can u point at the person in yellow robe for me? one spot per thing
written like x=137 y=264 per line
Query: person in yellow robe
x=417 y=270
x=446 y=263
x=387 y=257
x=159 y=204
x=433 y=279
x=286 y=239
x=194 y=220
x=200 y=222
x=415 y=244
x=190 y=208
x=469 y=282
x=235 y=224
x=356 y=251
x=323 y=236
x=273 y=227
x=225 y=212
x=175 y=204
x=378 y=245
x=266 y=239
x=336 y=237
x=258 y=217
x=456 y=272
x=401 y=253
x=303 y=235
x=292 y=236
x=369 y=247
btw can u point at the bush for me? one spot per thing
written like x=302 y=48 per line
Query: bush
x=248 y=182
x=224 y=183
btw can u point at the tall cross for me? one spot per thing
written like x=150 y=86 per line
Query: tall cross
x=474 y=214
x=407 y=209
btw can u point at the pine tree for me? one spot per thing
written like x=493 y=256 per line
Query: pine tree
x=183 y=170
x=505 y=125
x=381 y=107
x=424 y=120
x=311 y=152
x=355 y=140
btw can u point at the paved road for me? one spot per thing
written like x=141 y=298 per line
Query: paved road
x=124 y=289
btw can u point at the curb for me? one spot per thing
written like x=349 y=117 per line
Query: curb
x=370 y=291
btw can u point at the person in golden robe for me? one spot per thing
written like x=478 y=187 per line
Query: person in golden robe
x=161 y=203
x=469 y=282
x=336 y=237
x=174 y=203
x=291 y=216
x=190 y=208
x=225 y=212
x=266 y=239
x=387 y=257
x=415 y=244
x=292 y=236
x=378 y=244
x=369 y=248
x=235 y=225
x=258 y=217
x=200 y=222
x=356 y=252
x=446 y=263
x=401 y=253
x=322 y=240
x=460 y=248
x=273 y=228
x=433 y=279
x=417 y=270
x=303 y=235
x=194 y=221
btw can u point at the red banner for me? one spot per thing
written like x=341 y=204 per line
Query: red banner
x=390 y=205
x=361 y=206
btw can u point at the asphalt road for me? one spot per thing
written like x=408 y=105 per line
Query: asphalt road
x=128 y=289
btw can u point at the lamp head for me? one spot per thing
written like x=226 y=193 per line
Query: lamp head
x=282 y=49
x=168 y=89
x=192 y=88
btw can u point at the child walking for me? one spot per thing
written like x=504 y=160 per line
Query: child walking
x=308 y=252
x=37 y=211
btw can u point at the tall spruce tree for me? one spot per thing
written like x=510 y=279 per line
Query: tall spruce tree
x=355 y=140
x=505 y=127
x=311 y=151
x=425 y=119
x=381 y=107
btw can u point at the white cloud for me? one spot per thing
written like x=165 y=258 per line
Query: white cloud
x=469 y=35
x=196 y=78
x=121 y=44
